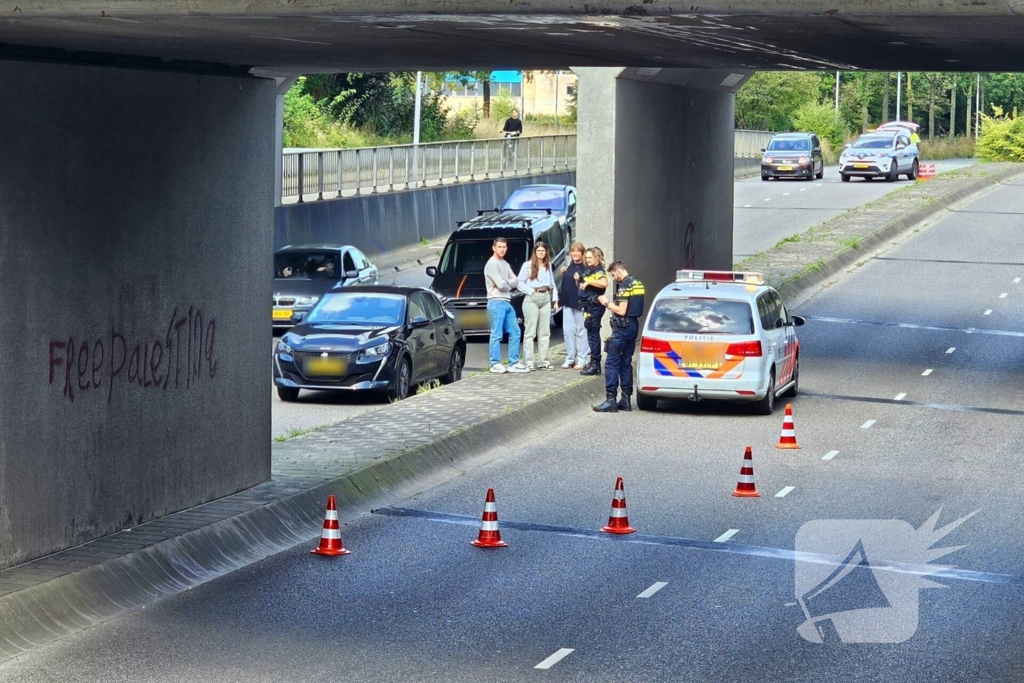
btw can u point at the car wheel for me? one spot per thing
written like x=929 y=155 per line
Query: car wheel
x=767 y=404
x=796 y=379
x=821 y=173
x=287 y=393
x=403 y=378
x=845 y=177
x=455 y=366
x=893 y=172
x=914 y=168
x=645 y=402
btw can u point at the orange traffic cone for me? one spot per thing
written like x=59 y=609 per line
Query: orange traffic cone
x=745 y=487
x=330 y=538
x=618 y=520
x=489 y=536
x=931 y=171
x=788 y=438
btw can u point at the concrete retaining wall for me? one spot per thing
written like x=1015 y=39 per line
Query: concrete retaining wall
x=135 y=218
x=388 y=221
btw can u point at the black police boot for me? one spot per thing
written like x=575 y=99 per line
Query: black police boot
x=609 y=406
x=624 y=404
x=591 y=369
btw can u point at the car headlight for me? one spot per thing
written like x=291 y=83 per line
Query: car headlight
x=283 y=348
x=375 y=352
x=308 y=300
x=802 y=160
x=767 y=160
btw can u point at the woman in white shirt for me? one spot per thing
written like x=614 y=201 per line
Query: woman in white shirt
x=537 y=282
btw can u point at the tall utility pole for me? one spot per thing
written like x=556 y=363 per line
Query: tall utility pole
x=899 y=90
x=557 y=95
x=977 y=109
x=837 y=91
x=416 y=129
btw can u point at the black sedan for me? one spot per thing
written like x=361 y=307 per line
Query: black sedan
x=372 y=338
x=303 y=274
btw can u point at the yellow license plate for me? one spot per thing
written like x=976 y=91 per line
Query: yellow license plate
x=282 y=314
x=475 y=320
x=785 y=168
x=860 y=165
x=322 y=367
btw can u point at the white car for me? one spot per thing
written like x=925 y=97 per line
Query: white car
x=883 y=154
x=719 y=335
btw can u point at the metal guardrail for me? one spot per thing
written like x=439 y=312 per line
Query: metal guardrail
x=313 y=174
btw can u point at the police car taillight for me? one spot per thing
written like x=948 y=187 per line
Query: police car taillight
x=743 y=277
x=747 y=348
x=652 y=345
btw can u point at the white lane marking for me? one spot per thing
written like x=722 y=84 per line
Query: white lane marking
x=1003 y=295
x=926 y=372
x=746 y=206
x=900 y=396
x=951 y=349
x=830 y=455
x=767 y=199
x=783 y=492
x=803 y=189
x=727 y=535
x=867 y=425
x=1016 y=280
x=554 y=659
x=785 y=194
x=655 y=587
x=988 y=312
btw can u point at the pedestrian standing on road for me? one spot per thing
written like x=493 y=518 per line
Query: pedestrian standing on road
x=501 y=281
x=537 y=282
x=577 y=348
x=626 y=308
x=593 y=283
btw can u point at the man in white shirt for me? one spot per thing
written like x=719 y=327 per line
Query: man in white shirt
x=500 y=281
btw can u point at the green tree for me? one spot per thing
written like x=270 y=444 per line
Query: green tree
x=823 y=120
x=768 y=100
x=1002 y=136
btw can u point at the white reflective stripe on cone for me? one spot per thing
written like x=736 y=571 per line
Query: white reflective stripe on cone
x=490 y=507
x=618 y=512
x=746 y=479
x=788 y=432
x=488 y=526
x=331 y=516
x=619 y=495
x=331 y=534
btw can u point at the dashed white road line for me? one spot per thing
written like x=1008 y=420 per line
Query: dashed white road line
x=727 y=535
x=867 y=425
x=926 y=372
x=554 y=659
x=803 y=189
x=655 y=587
x=951 y=349
x=1016 y=280
x=746 y=206
x=785 y=194
x=900 y=396
x=767 y=199
x=783 y=492
x=988 y=312
x=1003 y=295
x=830 y=455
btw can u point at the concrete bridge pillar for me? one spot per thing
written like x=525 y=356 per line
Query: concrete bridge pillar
x=136 y=224
x=655 y=167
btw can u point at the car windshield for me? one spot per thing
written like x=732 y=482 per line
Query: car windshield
x=307 y=264
x=790 y=145
x=358 y=308
x=535 y=198
x=469 y=256
x=873 y=143
x=702 y=316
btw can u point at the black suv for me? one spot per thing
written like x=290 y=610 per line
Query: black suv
x=459 y=276
x=793 y=155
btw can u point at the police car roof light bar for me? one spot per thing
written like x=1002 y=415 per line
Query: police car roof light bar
x=743 y=277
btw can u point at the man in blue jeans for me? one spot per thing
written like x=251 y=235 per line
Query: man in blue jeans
x=500 y=281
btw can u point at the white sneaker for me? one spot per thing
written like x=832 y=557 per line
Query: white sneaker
x=545 y=366
x=530 y=367
x=567 y=365
x=518 y=367
x=498 y=369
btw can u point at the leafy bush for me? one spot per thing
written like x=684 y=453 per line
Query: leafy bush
x=820 y=119
x=1002 y=137
x=502 y=105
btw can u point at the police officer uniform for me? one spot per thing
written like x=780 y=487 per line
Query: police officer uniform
x=593 y=311
x=618 y=367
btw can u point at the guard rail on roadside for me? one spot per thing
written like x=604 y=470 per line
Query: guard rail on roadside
x=314 y=174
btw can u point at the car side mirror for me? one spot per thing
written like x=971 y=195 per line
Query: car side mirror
x=763 y=149
x=900 y=145
x=418 y=322
x=431 y=271
x=797 y=320
x=351 y=274
x=847 y=146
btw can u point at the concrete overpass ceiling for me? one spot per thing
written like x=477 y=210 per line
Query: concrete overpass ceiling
x=969 y=35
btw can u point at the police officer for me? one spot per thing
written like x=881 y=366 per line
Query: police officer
x=592 y=285
x=626 y=311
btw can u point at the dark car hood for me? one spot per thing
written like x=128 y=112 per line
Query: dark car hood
x=465 y=286
x=336 y=337
x=297 y=286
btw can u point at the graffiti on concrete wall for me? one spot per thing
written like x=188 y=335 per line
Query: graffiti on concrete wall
x=106 y=364
x=689 y=246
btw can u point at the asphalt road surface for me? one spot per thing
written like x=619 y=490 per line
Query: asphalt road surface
x=910 y=405
x=765 y=213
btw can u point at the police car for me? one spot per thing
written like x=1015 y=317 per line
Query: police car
x=719 y=335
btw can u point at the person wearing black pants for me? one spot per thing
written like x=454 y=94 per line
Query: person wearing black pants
x=626 y=310
x=592 y=285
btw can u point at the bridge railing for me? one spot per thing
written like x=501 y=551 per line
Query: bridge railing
x=313 y=174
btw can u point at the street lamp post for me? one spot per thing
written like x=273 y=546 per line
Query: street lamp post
x=899 y=91
x=416 y=130
x=837 y=91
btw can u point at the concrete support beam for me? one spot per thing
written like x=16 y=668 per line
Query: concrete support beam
x=136 y=219
x=655 y=168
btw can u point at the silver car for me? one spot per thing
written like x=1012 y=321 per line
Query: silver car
x=882 y=154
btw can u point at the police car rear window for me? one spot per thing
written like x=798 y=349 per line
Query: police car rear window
x=702 y=316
